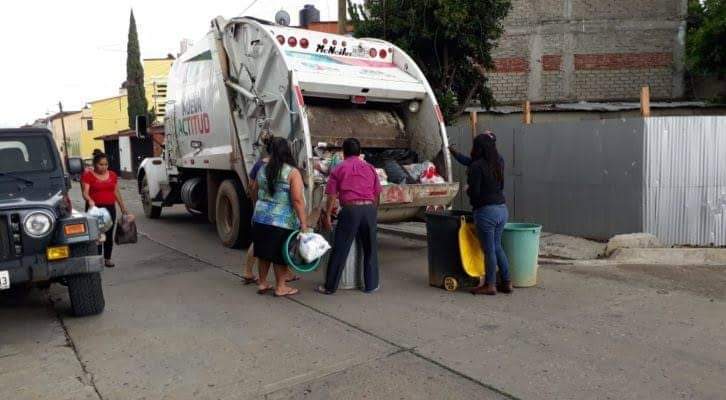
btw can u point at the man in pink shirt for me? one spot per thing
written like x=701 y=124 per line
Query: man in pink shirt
x=355 y=184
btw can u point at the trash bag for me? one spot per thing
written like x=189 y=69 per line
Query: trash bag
x=293 y=258
x=126 y=230
x=379 y=158
x=396 y=174
x=430 y=174
x=103 y=216
x=313 y=246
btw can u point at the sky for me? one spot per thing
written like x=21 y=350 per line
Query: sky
x=74 y=51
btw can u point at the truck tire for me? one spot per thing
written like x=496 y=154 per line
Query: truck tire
x=86 y=293
x=151 y=211
x=233 y=215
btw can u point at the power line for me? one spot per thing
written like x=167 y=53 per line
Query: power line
x=248 y=7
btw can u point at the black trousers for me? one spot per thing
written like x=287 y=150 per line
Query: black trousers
x=355 y=222
x=107 y=246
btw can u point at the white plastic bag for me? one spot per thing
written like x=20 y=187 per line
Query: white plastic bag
x=312 y=246
x=430 y=175
x=102 y=215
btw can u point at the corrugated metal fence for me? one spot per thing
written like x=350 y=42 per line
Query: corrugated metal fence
x=685 y=179
x=596 y=179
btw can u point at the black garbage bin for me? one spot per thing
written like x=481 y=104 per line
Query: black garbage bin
x=445 y=268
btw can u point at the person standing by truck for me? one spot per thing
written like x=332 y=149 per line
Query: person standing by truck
x=355 y=184
x=279 y=211
x=463 y=159
x=100 y=189
x=248 y=277
x=485 y=177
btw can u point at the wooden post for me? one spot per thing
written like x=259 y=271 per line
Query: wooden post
x=526 y=113
x=645 y=101
x=342 y=17
x=473 y=116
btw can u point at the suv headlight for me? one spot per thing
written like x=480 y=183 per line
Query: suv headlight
x=38 y=224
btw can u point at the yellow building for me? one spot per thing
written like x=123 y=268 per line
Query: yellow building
x=109 y=116
x=156 y=72
x=72 y=122
x=103 y=117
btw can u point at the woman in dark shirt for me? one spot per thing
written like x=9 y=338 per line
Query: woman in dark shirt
x=485 y=177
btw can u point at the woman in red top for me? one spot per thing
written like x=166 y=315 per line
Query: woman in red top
x=100 y=189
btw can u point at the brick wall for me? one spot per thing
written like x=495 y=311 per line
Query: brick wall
x=592 y=50
x=509 y=87
x=622 y=84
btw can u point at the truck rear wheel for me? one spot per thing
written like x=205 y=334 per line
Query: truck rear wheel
x=233 y=215
x=86 y=293
x=151 y=211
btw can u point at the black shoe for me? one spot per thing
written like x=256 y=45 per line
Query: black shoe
x=505 y=287
x=322 y=290
x=372 y=290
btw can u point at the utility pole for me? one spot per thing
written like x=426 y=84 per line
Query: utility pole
x=63 y=128
x=342 y=17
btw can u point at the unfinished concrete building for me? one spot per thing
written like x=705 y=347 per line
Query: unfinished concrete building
x=590 y=50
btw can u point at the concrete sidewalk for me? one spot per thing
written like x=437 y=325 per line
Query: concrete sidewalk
x=562 y=249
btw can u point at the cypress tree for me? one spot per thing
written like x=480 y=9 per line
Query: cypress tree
x=135 y=76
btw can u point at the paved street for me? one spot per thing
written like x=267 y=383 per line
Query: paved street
x=179 y=325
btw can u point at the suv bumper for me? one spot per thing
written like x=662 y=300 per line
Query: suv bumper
x=38 y=269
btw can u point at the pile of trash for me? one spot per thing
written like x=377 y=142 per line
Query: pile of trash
x=394 y=167
x=395 y=173
x=326 y=161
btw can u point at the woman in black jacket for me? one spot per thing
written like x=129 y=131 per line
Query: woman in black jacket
x=485 y=177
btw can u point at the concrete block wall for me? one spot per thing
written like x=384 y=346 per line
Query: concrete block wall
x=590 y=50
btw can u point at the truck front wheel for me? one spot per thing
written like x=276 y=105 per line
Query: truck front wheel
x=233 y=215
x=86 y=293
x=151 y=211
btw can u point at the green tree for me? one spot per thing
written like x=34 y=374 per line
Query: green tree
x=135 y=76
x=450 y=40
x=706 y=44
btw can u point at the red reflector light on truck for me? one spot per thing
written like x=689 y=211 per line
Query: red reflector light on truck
x=281 y=39
x=299 y=96
x=292 y=41
x=358 y=99
x=304 y=43
x=439 y=115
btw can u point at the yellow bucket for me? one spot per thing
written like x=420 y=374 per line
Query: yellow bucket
x=472 y=256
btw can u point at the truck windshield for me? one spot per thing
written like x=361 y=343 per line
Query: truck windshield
x=25 y=154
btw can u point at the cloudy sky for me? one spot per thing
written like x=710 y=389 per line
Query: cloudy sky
x=74 y=51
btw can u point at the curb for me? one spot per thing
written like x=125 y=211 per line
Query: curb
x=402 y=233
x=649 y=256
x=671 y=256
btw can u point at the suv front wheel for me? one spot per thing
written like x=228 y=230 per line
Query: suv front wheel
x=86 y=293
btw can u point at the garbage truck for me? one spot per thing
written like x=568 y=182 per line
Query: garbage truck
x=248 y=79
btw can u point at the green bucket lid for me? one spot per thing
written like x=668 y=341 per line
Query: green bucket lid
x=517 y=226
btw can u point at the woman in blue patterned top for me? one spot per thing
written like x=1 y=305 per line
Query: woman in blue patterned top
x=279 y=210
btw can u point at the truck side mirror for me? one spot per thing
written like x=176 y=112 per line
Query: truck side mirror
x=142 y=131
x=75 y=165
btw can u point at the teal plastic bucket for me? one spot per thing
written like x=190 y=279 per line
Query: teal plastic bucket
x=521 y=244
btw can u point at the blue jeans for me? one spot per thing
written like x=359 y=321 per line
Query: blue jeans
x=489 y=221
